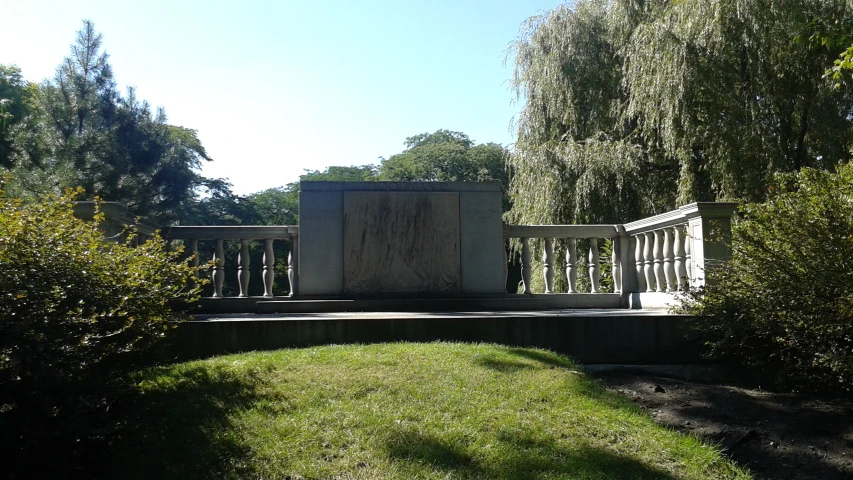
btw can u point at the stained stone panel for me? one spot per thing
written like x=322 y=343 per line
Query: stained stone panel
x=401 y=242
x=321 y=231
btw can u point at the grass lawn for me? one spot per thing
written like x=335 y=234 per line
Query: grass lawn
x=405 y=411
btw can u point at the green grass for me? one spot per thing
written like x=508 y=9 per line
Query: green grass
x=406 y=411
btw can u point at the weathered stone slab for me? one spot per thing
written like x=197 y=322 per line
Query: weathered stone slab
x=480 y=240
x=321 y=247
x=399 y=242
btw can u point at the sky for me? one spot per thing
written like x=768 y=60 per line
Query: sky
x=274 y=88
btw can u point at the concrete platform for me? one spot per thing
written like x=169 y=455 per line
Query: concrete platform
x=600 y=336
x=403 y=303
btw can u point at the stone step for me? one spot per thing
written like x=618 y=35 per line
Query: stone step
x=263 y=305
x=601 y=336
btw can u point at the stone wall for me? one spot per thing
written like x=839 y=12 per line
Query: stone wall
x=371 y=238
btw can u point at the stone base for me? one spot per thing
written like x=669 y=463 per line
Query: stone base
x=589 y=336
x=410 y=303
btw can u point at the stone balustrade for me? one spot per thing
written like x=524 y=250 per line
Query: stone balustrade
x=672 y=251
x=570 y=234
x=243 y=234
x=649 y=259
x=665 y=253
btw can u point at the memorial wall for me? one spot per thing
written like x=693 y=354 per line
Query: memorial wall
x=373 y=238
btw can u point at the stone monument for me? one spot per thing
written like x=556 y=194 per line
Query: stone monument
x=415 y=238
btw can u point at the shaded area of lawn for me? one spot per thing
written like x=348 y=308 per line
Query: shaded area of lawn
x=526 y=459
x=795 y=436
x=395 y=411
x=179 y=427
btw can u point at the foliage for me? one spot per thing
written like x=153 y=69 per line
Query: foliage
x=631 y=108
x=77 y=312
x=396 y=411
x=78 y=130
x=447 y=156
x=833 y=33
x=786 y=298
x=362 y=173
x=14 y=101
x=277 y=206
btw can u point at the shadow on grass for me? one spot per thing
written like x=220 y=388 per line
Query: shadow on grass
x=792 y=434
x=545 y=357
x=520 y=458
x=505 y=362
x=502 y=364
x=182 y=430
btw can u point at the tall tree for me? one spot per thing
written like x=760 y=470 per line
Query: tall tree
x=83 y=132
x=447 y=156
x=631 y=108
x=359 y=173
x=277 y=206
x=15 y=95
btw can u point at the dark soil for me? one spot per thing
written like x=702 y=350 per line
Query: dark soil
x=774 y=435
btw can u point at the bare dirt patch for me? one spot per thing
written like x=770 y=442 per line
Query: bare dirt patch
x=775 y=435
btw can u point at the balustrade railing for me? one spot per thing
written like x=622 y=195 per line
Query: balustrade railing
x=665 y=253
x=569 y=234
x=671 y=252
x=243 y=235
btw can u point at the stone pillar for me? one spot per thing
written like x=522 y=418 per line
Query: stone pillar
x=709 y=237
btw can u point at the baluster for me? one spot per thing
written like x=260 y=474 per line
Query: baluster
x=669 y=261
x=658 y=262
x=525 y=265
x=594 y=269
x=679 y=265
x=688 y=259
x=243 y=268
x=506 y=268
x=195 y=260
x=571 y=264
x=269 y=263
x=291 y=276
x=218 y=269
x=648 y=260
x=616 y=268
x=548 y=265
x=638 y=262
x=293 y=265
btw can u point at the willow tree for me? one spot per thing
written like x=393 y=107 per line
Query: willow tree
x=632 y=108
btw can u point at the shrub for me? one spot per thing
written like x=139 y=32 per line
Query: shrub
x=785 y=301
x=77 y=312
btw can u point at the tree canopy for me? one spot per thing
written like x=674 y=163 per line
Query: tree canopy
x=633 y=107
x=76 y=129
x=447 y=156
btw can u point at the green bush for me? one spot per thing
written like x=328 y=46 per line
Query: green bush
x=77 y=312
x=785 y=301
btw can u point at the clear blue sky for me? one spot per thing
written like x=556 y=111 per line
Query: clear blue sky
x=276 y=87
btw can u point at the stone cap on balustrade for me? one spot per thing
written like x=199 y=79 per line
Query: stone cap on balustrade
x=710 y=210
x=231 y=232
x=560 y=231
x=309 y=186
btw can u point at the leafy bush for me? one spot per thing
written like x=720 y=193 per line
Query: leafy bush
x=77 y=312
x=785 y=301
